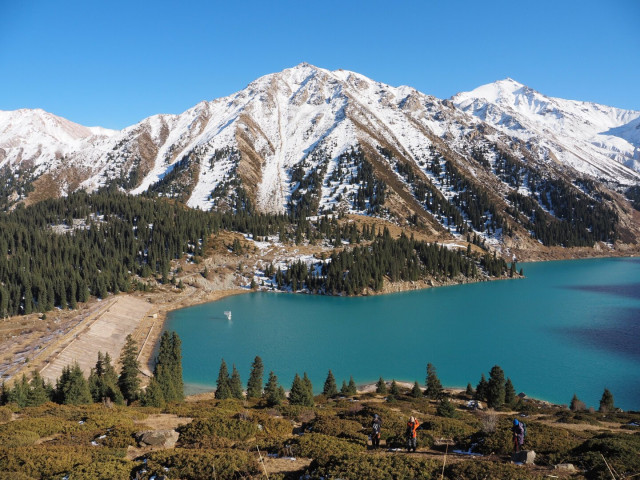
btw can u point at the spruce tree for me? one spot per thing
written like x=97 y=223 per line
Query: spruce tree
x=352 y=386
x=153 y=396
x=254 y=385
x=446 y=409
x=299 y=393
x=606 y=402
x=20 y=392
x=416 y=391
x=223 y=384
x=168 y=369
x=495 y=388
x=37 y=394
x=128 y=382
x=577 y=405
x=330 y=388
x=469 y=390
x=344 y=389
x=309 y=387
x=381 y=386
x=394 y=390
x=481 y=389
x=434 y=387
x=235 y=384
x=74 y=389
x=273 y=391
x=509 y=393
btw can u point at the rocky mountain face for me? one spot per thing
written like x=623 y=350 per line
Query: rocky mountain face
x=502 y=164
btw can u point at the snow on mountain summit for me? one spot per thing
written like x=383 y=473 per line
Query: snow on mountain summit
x=585 y=135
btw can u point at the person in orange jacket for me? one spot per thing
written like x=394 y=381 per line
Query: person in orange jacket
x=412 y=427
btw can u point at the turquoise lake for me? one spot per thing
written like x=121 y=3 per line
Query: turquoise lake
x=568 y=327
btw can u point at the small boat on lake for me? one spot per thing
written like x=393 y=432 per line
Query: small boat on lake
x=228 y=314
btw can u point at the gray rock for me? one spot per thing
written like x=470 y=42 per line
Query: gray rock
x=524 y=456
x=158 y=438
x=568 y=467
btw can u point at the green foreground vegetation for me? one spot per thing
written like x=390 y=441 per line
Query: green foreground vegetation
x=238 y=435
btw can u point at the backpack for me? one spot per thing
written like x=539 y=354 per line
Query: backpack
x=524 y=429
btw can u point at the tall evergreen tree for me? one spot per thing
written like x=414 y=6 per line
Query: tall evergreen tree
x=394 y=390
x=128 y=382
x=308 y=386
x=495 y=388
x=223 y=384
x=481 y=389
x=330 y=388
x=509 y=393
x=254 y=385
x=72 y=387
x=37 y=394
x=381 y=386
x=434 y=387
x=168 y=369
x=20 y=392
x=577 y=405
x=235 y=384
x=299 y=393
x=153 y=396
x=273 y=391
x=351 y=388
x=416 y=391
x=344 y=389
x=606 y=402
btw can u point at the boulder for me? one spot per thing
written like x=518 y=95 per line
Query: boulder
x=524 y=456
x=567 y=467
x=158 y=438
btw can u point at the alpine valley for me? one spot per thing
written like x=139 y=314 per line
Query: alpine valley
x=502 y=166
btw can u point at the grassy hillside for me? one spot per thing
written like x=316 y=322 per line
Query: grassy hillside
x=221 y=438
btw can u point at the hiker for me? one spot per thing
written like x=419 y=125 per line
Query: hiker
x=518 y=435
x=376 y=426
x=412 y=427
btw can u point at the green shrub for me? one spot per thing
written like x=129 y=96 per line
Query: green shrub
x=206 y=432
x=337 y=427
x=474 y=469
x=5 y=414
x=201 y=464
x=621 y=452
x=321 y=447
x=360 y=466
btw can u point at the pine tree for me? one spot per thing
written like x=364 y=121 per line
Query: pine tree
x=20 y=392
x=128 y=382
x=381 y=387
x=344 y=389
x=481 y=389
x=606 y=402
x=434 y=387
x=577 y=405
x=254 y=385
x=469 y=390
x=416 y=391
x=509 y=393
x=235 y=384
x=309 y=387
x=446 y=409
x=495 y=388
x=330 y=388
x=153 y=396
x=394 y=390
x=168 y=369
x=73 y=388
x=273 y=391
x=37 y=394
x=299 y=393
x=223 y=384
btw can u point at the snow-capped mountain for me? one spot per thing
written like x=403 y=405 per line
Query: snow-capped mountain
x=307 y=140
x=584 y=135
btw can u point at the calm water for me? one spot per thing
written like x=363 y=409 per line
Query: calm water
x=569 y=327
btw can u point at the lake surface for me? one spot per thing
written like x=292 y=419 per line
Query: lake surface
x=569 y=327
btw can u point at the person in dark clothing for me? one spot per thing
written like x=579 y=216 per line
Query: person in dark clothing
x=518 y=435
x=376 y=427
x=412 y=427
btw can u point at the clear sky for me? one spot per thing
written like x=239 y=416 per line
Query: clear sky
x=113 y=63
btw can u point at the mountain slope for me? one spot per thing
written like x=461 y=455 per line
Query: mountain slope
x=502 y=164
x=584 y=135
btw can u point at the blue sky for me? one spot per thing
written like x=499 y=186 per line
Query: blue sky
x=113 y=63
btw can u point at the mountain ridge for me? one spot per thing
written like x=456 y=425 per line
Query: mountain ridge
x=309 y=141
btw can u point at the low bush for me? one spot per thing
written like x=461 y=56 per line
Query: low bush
x=359 y=466
x=200 y=464
x=322 y=448
x=472 y=469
